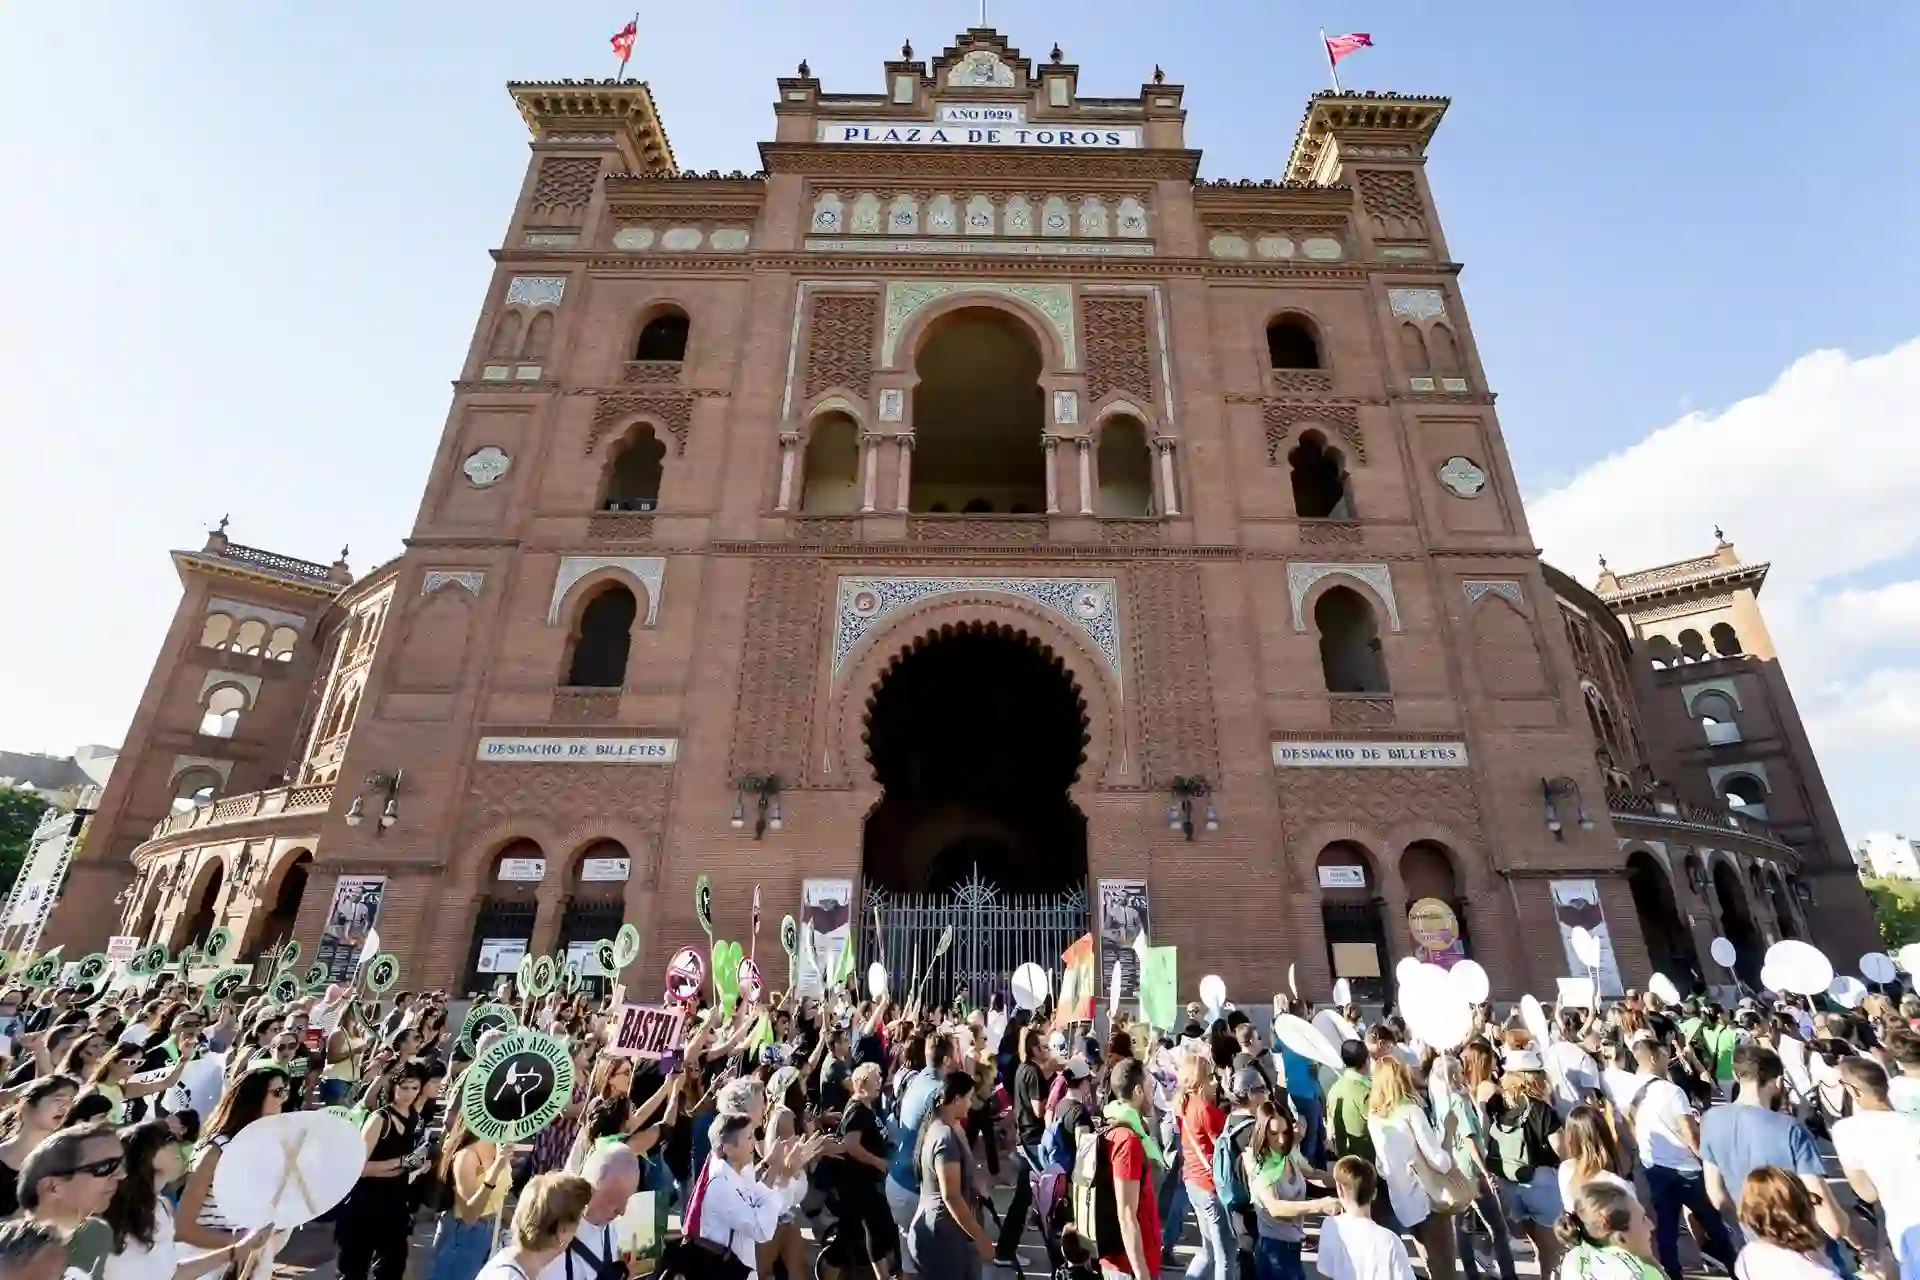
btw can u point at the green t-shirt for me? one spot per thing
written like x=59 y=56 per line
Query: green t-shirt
x=1347 y=1115
x=1720 y=1043
x=88 y=1248
x=1607 y=1262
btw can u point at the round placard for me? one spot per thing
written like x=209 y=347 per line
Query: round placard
x=1031 y=985
x=752 y=985
x=483 y=1018
x=1909 y=957
x=523 y=974
x=285 y=988
x=626 y=946
x=41 y=972
x=1470 y=980
x=316 y=975
x=703 y=904
x=148 y=961
x=382 y=972
x=289 y=953
x=285 y=1170
x=1342 y=992
x=517 y=1087
x=789 y=937
x=1722 y=952
x=1801 y=967
x=224 y=983
x=877 y=983
x=570 y=976
x=92 y=968
x=1877 y=966
x=541 y=975
x=607 y=956
x=219 y=942
x=1661 y=985
x=686 y=973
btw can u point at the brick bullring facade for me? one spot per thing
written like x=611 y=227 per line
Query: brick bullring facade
x=963 y=493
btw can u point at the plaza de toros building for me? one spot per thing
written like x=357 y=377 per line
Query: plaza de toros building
x=976 y=516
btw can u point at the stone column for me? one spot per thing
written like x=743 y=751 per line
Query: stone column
x=1086 y=474
x=1051 y=444
x=789 y=446
x=1169 y=499
x=552 y=904
x=871 y=444
x=904 y=441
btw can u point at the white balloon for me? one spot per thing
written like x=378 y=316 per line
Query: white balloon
x=1585 y=945
x=1534 y=1018
x=1661 y=985
x=1723 y=952
x=1407 y=965
x=1213 y=991
x=1031 y=985
x=1470 y=980
x=1306 y=1039
x=1335 y=1028
x=1848 y=990
x=1435 y=1011
x=876 y=980
x=1801 y=967
x=252 y=1184
x=1343 y=992
x=1877 y=966
x=1909 y=957
x=371 y=947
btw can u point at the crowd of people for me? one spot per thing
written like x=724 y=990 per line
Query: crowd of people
x=844 y=1137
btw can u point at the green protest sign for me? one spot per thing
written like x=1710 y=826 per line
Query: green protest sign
x=518 y=1087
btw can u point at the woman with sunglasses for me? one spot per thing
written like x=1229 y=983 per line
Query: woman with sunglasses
x=83 y=1055
x=260 y=1091
x=66 y=1184
x=144 y=1245
x=41 y=1111
x=376 y=1218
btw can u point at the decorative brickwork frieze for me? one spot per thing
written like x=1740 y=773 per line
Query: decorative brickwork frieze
x=672 y=409
x=1172 y=684
x=1391 y=198
x=773 y=712
x=1282 y=416
x=1119 y=353
x=841 y=328
x=565 y=185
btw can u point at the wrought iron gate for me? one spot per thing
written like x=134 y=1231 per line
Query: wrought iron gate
x=993 y=933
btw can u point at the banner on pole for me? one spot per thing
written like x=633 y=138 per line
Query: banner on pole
x=1576 y=905
x=826 y=908
x=355 y=909
x=1123 y=917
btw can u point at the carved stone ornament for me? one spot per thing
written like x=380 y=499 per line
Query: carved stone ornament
x=485 y=466
x=1066 y=408
x=649 y=571
x=893 y=404
x=980 y=69
x=1463 y=477
x=1302 y=575
x=1418 y=305
x=906 y=297
x=536 y=291
x=468 y=580
x=1085 y=604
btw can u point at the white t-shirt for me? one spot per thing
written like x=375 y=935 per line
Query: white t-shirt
x=1619 y=1086
x=1904 y=1093
x=137 y=1262
x=1573 y=1071
x=1762 y=1261
x=1567 y=1188
x=1356 y=1248
x=596 y=1241
x=1656 y=1124
x=1885 y=1146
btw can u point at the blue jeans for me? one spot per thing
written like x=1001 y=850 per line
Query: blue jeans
x=1217 y=1252
x=1173 y=1208
x=1489 y=1212
x=460 y=1249
x=1277 y=1260
x=1313 y=1128
x=1671 y=1191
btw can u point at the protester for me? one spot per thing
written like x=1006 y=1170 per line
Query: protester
x=613 y=1174
x=1031 y=1081
x=1784 y=1240
x=1879 y=1149
x=473 y=1174
x=1347 y=1105
x=1352 y=1245
x=1666 y=1130
x=1201 y=1122
x=31 y=1250
x=1737 y=1138
x=1130 y=1151
x=1405 y=1139
x=1278 y=1173
x=867 y=1239
x=66 y=1182
x=544 y=1224
x=729 y=1205
x=1523 y=1142
x=918 y=1095
x=141 y=1219
x=1606 y=1236
x=40 y=1112
x=259 y=1092
x=375 y=1222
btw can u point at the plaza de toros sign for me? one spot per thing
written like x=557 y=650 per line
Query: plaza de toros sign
x=962 y=131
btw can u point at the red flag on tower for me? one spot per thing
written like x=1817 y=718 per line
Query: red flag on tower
x=623 y=42
x=1339 y=47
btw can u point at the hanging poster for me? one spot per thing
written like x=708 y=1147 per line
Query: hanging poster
x=356 y=906
x=826 y=907
x=1576 y=905
x=1123 y=917
x=501 y=955
x=1436 y=933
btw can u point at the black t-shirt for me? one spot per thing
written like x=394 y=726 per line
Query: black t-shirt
x=1029 y=1098
x=833 y=1085
x=1071 y=1117
x=860 y=1122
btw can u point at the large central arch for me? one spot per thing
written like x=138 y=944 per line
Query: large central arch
x=975 y=733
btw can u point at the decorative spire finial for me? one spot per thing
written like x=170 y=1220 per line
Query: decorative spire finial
x=806 y=72
x=1056 y=55
x=222 y=528
x=1719 y=536
x=343 y=552
x=1603 y=563
x=906 y=51
x=1159 y=76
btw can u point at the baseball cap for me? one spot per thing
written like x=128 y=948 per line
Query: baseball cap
x=1245 y=1081
x=1525 y=1060
x=1077 y=1070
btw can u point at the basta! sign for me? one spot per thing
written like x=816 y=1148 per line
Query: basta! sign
x=648 y=1031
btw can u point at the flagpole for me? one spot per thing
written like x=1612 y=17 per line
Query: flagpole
x=1332 y=69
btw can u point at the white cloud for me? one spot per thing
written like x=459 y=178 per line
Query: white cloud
x=1819 y=474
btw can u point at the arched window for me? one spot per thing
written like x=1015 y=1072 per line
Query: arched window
x=663 y=338
x=1350 y=656
x=251 y=638
x=223 y=708
x=1726 y=641
x=281 y=644
x=634 y=482
x=345 y=705
x=506 y=336
x=539 y=337
x=1715 y=712
x=1126 y=469
x=194 y=789
x=1291 y=344
x=978 y=415
x=1413 y=348
x=1661 y=653
x=1745 y=794
x=216 y=629
x=606 y=633
x=1446 y=351
x=830 y=481
x=1600 y=719
x=1319 y=480
x=1692 y=647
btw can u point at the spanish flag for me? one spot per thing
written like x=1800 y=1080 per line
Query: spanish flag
x=1078 y=981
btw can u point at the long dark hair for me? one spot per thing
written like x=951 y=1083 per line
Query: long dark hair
x=134 y=1211
x=954 y=1086
x=242 y=1104
x=113 y=1057
x=458 y=1138
x=36 y=1093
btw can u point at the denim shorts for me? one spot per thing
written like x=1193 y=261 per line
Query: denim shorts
x=1536 y=1200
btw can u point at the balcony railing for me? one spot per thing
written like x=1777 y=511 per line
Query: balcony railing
x=241 y=808
x=1637 y=806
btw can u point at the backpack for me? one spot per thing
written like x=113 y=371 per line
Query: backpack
x=1229 y=1172
x=1509 y=1140
x=1096 y=1215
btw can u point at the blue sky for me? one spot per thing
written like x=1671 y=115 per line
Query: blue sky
x=245 y=244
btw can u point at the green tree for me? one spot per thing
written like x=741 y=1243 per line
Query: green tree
x=1897 y=904
x=19 y=814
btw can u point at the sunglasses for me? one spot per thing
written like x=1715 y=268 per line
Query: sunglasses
x=277 y=1091
x=98 y=1169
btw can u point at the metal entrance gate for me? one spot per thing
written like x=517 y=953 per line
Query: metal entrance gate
x=993 y=933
